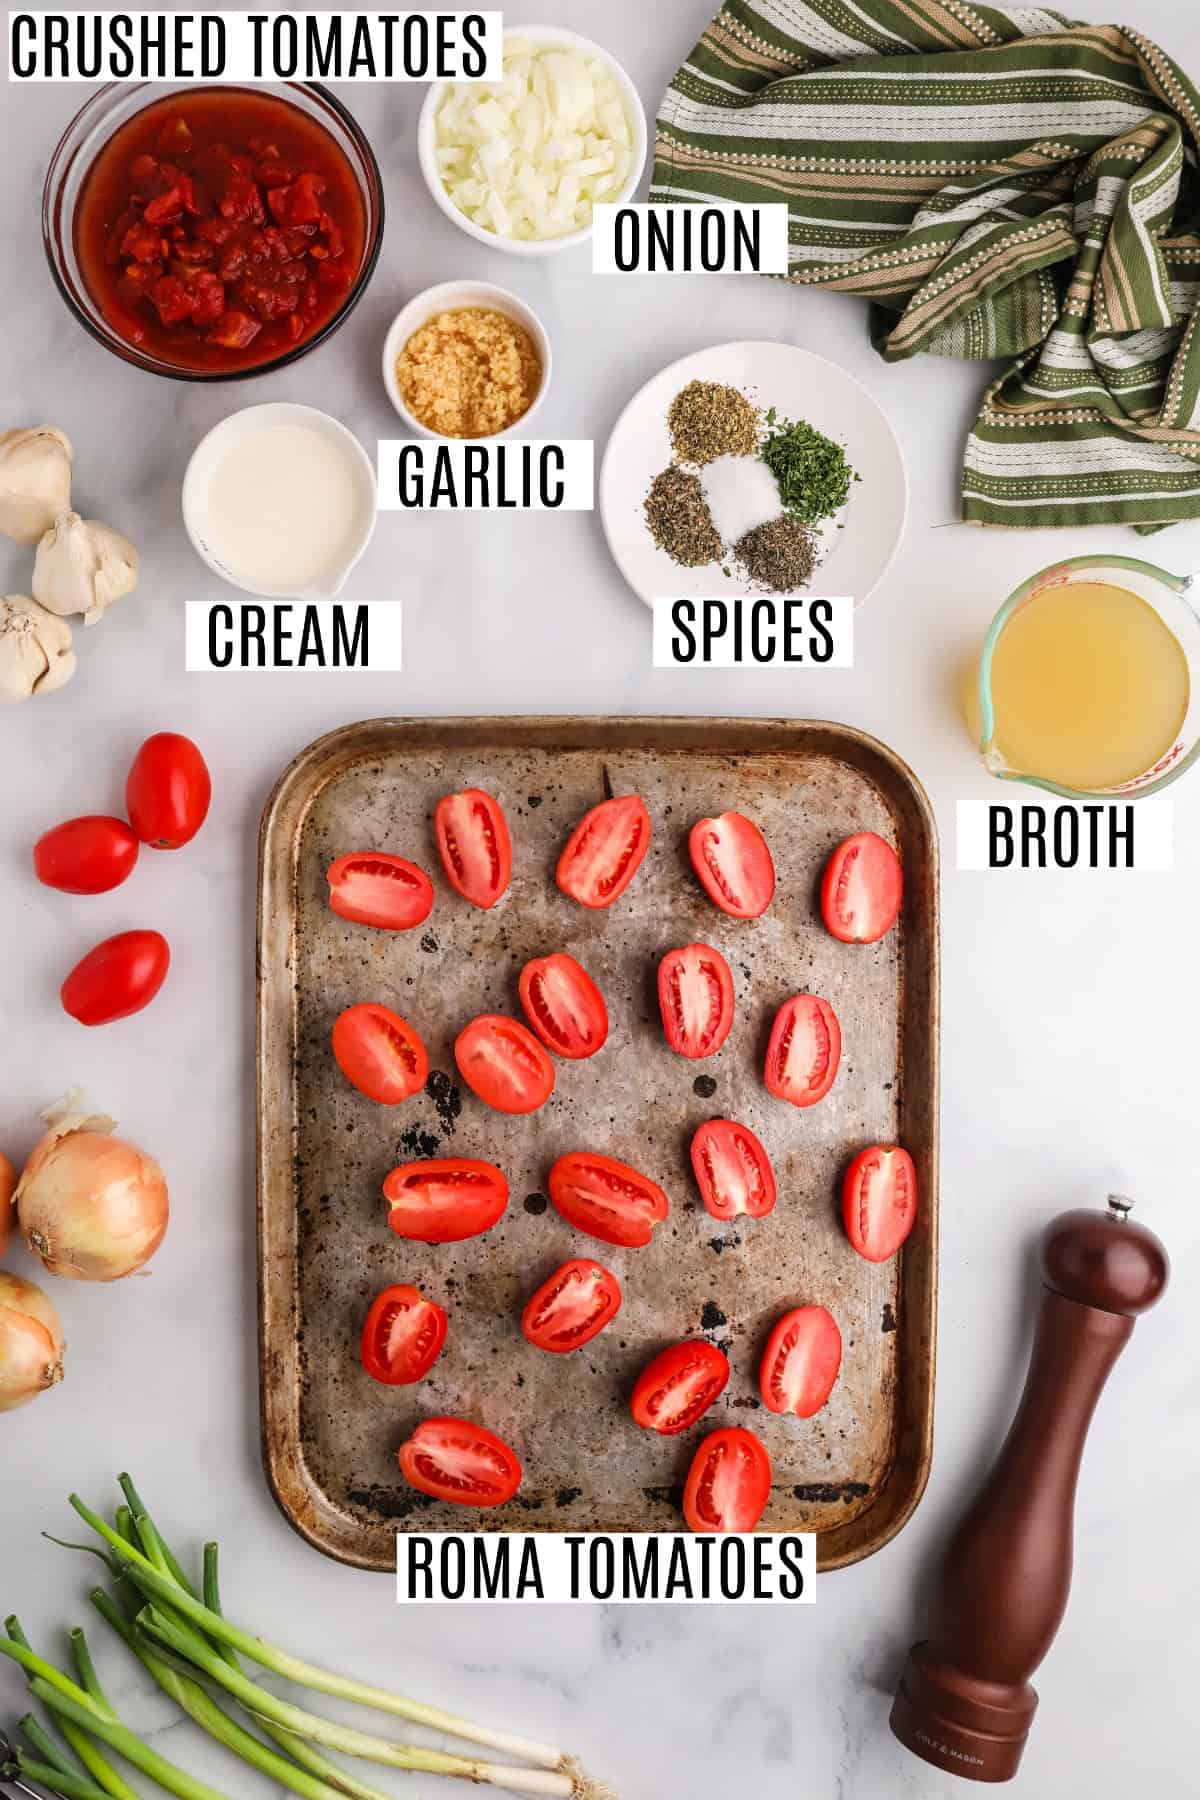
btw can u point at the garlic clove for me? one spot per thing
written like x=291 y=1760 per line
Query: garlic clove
x=35 y=649
x=35 y=480
x=82 y=566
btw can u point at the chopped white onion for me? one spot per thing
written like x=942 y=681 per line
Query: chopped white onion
x=527 y=157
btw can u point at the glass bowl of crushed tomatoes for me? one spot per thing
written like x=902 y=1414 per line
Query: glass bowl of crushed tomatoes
x=211 y=233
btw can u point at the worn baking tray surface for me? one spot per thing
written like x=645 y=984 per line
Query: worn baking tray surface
x=854 y=1473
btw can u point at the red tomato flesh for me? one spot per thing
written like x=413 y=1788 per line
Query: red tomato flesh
x=379 y=1053
x=444 y=1199
x=695 y=997
x=85 y=856
x=572 y=1307
x=453 y=1459
x=729 y=1482
x=564 y=1006
x=403 y=1337
x=474 y=845
x=119 y=977
x=218 y=228
x=605 y=851
x=879 y=1201
x=606 y=1199
x=862 y=889
x=804 y=1050
x=373 y=888
x=678 y=1387
x=801 y=1361
x=733 y=1171
x=168 y=791
x=502 y=1062
x=731 y=858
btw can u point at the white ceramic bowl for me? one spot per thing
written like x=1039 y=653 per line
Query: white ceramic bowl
x=550 y=35
x=197 y=482
x=452 y=296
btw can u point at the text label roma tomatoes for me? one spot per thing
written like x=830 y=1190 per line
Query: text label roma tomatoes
x=403 y=1336
x=85 y=856
x=729 y=1482
x=117 y=978
x=801 y=1361
x=564 y=1006
x=569 y=1309
x=678 y=1387
x=695 y=997
x=605 y=851
x=502 y=1062
x=379 y=1053
x=607 y=1199
x=804 y=1051
x=372 y=888
x=731 y=858
x=444 y=1199
x=168 y=791
x=733 y=1171
x=879 y=1201
x=474 y=845
x=862 y=889
x=453 y=1459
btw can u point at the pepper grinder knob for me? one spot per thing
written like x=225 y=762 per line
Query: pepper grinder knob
x=965 y=1703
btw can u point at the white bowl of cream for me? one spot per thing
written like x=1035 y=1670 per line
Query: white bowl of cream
x=279 y=500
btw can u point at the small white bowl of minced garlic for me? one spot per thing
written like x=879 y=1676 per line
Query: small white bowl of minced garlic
x=466 y=360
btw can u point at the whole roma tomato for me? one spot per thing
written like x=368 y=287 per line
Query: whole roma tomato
x=120 y=976
x=89 y=855
x=168 y=791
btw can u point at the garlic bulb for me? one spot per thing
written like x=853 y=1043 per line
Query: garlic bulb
x=35 y=649
x=82 y=566
x=35 y=480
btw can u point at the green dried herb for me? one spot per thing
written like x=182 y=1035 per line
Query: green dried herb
x=811 y=470
x=679 y=520
x=777 y=555
x=707 y=419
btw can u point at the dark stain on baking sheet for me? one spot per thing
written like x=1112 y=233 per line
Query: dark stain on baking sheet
x=327 y=1247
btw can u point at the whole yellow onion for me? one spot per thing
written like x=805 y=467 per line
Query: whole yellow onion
x=31 y=1343
x=91 y=1206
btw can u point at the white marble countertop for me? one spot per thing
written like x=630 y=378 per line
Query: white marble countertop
x=1070 y=1007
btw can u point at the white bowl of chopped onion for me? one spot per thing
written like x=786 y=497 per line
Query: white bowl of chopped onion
x=520 y=163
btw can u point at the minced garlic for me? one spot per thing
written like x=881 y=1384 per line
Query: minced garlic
x=469 y=373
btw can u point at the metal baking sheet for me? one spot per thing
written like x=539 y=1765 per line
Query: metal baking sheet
x=855 y=1472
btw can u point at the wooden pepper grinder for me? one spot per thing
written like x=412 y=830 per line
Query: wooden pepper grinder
x=964 y=1702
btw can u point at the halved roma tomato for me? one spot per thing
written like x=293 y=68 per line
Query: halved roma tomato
x=861 y=889
x=605 y=851
x=801 y=1361
x=117 y=978
x=168 y=791
x=729 y=1482
x=403 y=1336
x=879 y=1201
x=373 y=888
x=695 y=997
x=564 y=1005
x=606 y=1198
x=730 y=855
x=474 y=845
x=569 y=1309
x=502 y=1062
x=678 y=1387
x=379 y=1053
x=453 y=1459
x=444 y=1199
x=85 y=856
x=733 y=1171
x=804 y=1051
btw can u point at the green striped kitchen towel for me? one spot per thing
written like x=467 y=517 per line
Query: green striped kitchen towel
x=998 y=184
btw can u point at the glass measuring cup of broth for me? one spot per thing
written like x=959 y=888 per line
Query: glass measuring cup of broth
x=1088 y=684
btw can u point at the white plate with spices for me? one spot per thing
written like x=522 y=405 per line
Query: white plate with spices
x=853 y=549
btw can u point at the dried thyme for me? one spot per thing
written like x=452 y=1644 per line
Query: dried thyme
x=707 y=420
x=777 y=555
x=679 y=520
x=811 y=470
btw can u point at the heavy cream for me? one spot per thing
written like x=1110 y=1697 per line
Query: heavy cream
x=288 y=508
